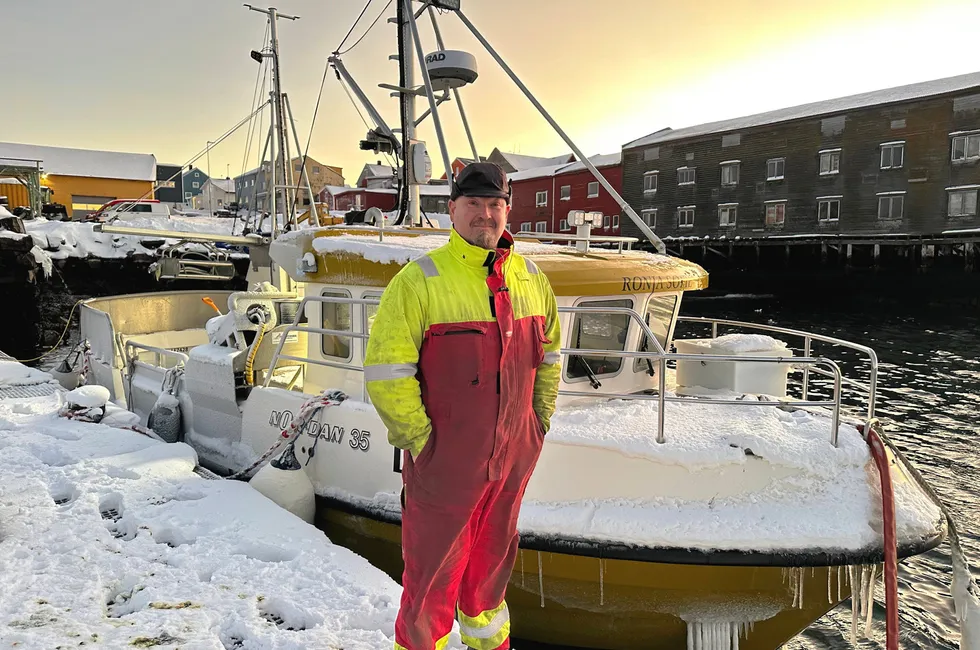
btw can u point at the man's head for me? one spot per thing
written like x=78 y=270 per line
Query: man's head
x=480 y=203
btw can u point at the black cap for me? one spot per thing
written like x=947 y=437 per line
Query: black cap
x=481 y=179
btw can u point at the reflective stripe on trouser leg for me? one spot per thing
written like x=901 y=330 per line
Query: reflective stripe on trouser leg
x=486 y=631
x=440 y=644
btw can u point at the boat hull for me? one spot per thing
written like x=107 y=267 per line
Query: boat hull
x=575 y=600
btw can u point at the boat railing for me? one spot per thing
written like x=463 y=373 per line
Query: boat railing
x=822 y=365
x=159 y=354
x=870 y=389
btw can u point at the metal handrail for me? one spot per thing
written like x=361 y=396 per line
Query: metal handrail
x=160 y=352
x=872 y=386
x=807 y=363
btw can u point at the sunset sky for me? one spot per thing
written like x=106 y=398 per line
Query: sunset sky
x=165 y=77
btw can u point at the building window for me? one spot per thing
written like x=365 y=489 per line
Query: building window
x=606 y=221
x=966 y=147
x=776 y=213
x=335 y=316
x=593 y=190
x=316 y=170
x=541 y=226
x=526 y=226
x=541 y=199
x=727 y=213
x=649 y=217
x=615 y=222
x=962 y=203
x=828 y=208
x=892 y=155
x=196 y=185
x=685 y=216
x=566 y=192
x=829 y=162
x=775 y=169
x=187 y=195
x=685 y=175
x=729 y=173
x=891 y=206
x=650 y=182
x=563 y=224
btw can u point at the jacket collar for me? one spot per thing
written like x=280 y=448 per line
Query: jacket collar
x=475 y=256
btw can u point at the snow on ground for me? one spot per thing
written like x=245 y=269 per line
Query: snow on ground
x=108 y=539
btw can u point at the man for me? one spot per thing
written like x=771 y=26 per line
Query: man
x=463 y=367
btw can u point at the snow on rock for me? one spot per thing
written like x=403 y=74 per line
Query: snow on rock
x=92 y=396
x=109 y=539
x=42 y=258
x=4 y=212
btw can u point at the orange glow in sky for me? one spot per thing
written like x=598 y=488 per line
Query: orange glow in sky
x=165 y=77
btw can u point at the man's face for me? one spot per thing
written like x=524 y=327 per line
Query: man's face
x=480 y=220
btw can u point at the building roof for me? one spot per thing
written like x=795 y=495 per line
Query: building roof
x=826 y=107
x=602 y=160
x=434 y=190
x=378 y=171
x=88 y=163
x=521 y=162
x=223 y=184
x=536 y=172
x=335 y=189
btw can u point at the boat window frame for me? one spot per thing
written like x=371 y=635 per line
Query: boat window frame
x=370 y=293
x=332 y=292
x=640 y=363
x=584 y=301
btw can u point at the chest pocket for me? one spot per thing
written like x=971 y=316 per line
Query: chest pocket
x=451 y=358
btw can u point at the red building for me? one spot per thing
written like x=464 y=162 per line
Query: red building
x=542 y=197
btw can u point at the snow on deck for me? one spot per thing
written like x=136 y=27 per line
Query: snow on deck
x=63 y=239
x=108 y=539
x=827 y=497
x=402 y=249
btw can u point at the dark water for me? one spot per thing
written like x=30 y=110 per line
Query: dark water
x=929 y=400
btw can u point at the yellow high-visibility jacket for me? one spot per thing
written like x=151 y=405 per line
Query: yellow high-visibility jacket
x=465 y=337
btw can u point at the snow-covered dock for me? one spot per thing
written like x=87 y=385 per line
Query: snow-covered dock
x=109 y=539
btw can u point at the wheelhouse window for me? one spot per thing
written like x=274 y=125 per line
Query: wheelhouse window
x=892 y=155
x=370 y=311
x=598 y=332
x=966 y=147
x=776 y=213
x=829 y=162
x=335 y=316
x=566 y=192
x=593 y=190
x=828 y=209
x=727 y=214
x=775 y=169
x=962 y=202
x=659 y=316
x=685 y=216
x=541 y=198
x=891 y=206
x=685 y=175
x=650 y=182
x=729 y=173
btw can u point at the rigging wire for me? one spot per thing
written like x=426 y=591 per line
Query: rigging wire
x=309 y=139
x=351 y=30
x=259 y=73
x=370 y=27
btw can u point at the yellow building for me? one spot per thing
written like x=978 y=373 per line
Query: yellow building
x=82 y=179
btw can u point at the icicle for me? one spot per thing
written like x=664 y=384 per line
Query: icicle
x=602 y=591
x=734 y=632
x=792 y=585
x=800 y=586
x=521 y=553
x=690 y=637
x=840 y=579
x=540 y=579
x=830 y=576
x=855 y=601
x=870 y=601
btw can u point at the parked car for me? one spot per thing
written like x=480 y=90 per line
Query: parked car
x=128 y=209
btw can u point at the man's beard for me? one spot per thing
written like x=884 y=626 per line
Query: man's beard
x=485 y=239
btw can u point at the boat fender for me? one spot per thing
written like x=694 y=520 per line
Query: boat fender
x=164 y=418
x=285 y=482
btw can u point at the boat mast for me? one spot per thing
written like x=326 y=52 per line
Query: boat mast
x=279 y=161
x=406 y=80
